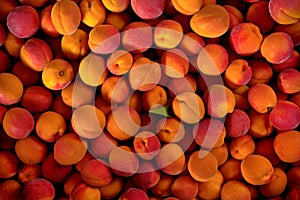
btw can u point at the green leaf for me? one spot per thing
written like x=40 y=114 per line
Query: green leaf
x=161 y=111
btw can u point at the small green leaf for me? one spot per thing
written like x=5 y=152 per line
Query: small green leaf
x=161 y=111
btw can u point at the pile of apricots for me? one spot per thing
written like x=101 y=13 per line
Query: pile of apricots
x=149 y=99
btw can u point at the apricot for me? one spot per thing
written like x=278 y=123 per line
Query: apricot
x=36 y=99
x=221 y=153
x=262 y=97
x=236 y=16
x=260 y=124
x=18 y=123
x=10 y=189
x=92 y=12
x=241 y=147
x=66 y=17
x=277 y=47
x=27 y=76
x=112 y=189
x=46 y=22
x=9 y=164
x=202 y=167
x=71 y=182
x=212 y=60
x=170 y=130
x=285 y=146
x=61 y=108
x=235 y=190
x=238 y=73
x=26 y=173
x=184 y=187
x=231 y=170
x=276 y=186
x=69 y=149
x=148 y=10
x=38 y=189
x=286 y=81
x=284 y=13
x=285 y=115
x=35 y=54
x=179 y=85
x=144 y=74
x=171 y=159
x=31 y=150
x=23 y=21
x=87 y=157
x=168 y=34
x=134 y=193
x=118 y=20
x=119 y=62
x=57 y=74
x=103 y=144
x=237 y=123
x=294 y=192
x=257 y=170
x=154 y=98
x=261 y=72
x=83 y=191
x=104 y=39
x=146 y=144
x=191 y=43
x=147 y=176
x=53 y=171
x=210 y=21
x=123 y=123
x=187 y=9
x=292 y=30
x=219 y=100
x=265 y=148
x=163 y=187
x=11 y=89
x=293 y=177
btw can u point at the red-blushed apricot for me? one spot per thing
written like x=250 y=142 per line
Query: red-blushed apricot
x=209 y=133
x=154 y=98
x=115 y=89
x=265 y=148
x=119 y=62
x=46 y=22
x=134 y=193
x=69 y=149
x=175 y=63
x=116 y=6
x=293 y=193
x=210 y=21
x=171 y=159
x=187 y=8
x=57 y=74
x=11 y=89
x=219 y=100
x=27 y=173
x=9 y=164
x=179 y=85
x=163 y=187
x=292 y=30
x=23 y=21
x=261 y=71
x=104 y=39
x=123 y=123
x=238 y=73
x=221 y=153
x=75 y=46
x=211 y=189
x=36 y=99
x=137 y=37
x=6 y=62
x=236 y=16
x=96 y=173
x=293 y=177
x=287 y=81
x=170 y=130
x=53 y=171
x=71 y=182
x=31 y=150
x=245 y=38
x=18 y=123
x=231 y=170
x=123 y=161
x=168 y=34
x=66 y=17
x=27 y=76
x=13 y=45
x=35 y=54
x=87 y=156
x=144 y=74
x=92 y=12
x=262 y=97
x=188 y=107
x=147 y=176
x=10 y=189
x=212 y=59
x=237 y=123
x=277 y=47
x=295 y=98
x=291 y=63
x=184 y=187
x=202 y=167
x=285 y=115
x=38 y=189
x=241 y=97
x=112 y=189
x=191 y=43
x=234 y=190
x=241 y=147
x=77 y=94
x=92 y=70
x=83 y=191
x=276 y=186
x=284 y=13
x=103 y=144
x=257 y=170
x=286 y=146
x=146 y=144
x=148 y=10
x=258 y=14
x=260 y=124
x=50 y=126
x=118 y=20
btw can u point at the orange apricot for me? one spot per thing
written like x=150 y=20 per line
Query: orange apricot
x=276 y=186
x=9 y=164
x=242 y=146
x=211 y=189
x=11 y=89
x=10 y=189
x=265 y=148
x=185 y=187
x=234 y=190
x=119 y=62
x=163 y=187
x=260 y=124
x=27 y=173
x=154 y=98
x=187 y=8
x=170 y=130
x=231 y=170
x=92 y=12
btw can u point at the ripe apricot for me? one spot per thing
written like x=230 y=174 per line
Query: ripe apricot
x=11 y=89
